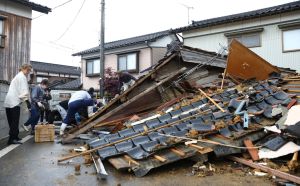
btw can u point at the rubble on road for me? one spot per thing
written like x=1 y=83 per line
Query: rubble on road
x=195 y=104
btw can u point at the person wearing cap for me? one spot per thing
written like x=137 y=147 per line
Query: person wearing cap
x=18 y=92
x=78 y=100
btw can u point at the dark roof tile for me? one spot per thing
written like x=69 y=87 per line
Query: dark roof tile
x=127 y=42
x=34 y=6
x=288 y=7
x=72 y=85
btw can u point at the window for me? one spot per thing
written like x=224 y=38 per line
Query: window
x=2 y=36
x=93 y=67
x=248 y=37
x=291 y=40
x=248 y=40
x=128 y=62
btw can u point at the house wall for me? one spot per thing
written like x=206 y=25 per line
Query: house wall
x=158 y=54
x=17 y=45
x=271 y=38
x=111 y=60
x=4 y=129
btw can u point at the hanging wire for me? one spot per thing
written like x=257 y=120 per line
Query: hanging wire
x=53 y=9
x=67 y=29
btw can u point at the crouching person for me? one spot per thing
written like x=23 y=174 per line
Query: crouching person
x=78 y=100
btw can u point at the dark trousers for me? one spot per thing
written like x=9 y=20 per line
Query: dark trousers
x=74 y=107
x=13 y=117
x=34 y=117
x=45 y=113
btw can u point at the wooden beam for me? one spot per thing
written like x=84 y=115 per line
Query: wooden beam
x=160 y=158
x=213 y=101
x=69 y=137
x=274 y=172
x=252 y=151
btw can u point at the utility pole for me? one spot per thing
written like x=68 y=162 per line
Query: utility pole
x=101 y=82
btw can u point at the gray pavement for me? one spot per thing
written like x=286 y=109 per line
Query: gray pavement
x=35 y=164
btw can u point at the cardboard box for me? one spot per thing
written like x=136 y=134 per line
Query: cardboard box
x=44 y=133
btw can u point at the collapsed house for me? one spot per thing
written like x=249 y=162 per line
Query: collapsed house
x=194 y=103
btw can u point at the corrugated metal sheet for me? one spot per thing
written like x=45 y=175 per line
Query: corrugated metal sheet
x=17 y=45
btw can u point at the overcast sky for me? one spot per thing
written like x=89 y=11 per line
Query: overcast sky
x=75 y=25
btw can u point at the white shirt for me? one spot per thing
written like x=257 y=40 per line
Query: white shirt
x=79 y=95
x=18 y=91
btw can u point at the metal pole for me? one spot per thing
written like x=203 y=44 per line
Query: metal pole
x=102 y=49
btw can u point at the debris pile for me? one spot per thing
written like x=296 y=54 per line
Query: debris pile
x=194 y=104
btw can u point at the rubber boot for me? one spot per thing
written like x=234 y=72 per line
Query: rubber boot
x=62 y=128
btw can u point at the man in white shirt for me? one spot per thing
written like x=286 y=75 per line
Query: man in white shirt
x=18 y=92
x=78 y=100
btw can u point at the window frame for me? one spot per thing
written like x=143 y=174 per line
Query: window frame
x=235 y=34
x=136 y=62
x=229 y=39
x=282 y=38
x=92 y=60
x=2 y=35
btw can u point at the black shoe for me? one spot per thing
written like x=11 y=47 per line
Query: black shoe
x=32 y=133
x=14 y=142
x=18 y=139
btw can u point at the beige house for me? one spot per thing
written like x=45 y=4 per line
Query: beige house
x=132 y=55
x=273 y=33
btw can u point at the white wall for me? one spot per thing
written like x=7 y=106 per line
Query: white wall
x=271 y=39
x=15 y=8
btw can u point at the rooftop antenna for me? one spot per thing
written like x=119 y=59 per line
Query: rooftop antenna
x=188 y=11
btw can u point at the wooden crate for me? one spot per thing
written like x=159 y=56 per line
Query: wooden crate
x=44 y=133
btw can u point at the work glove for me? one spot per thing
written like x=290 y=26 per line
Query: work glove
x=28 y=105
x=40 y=105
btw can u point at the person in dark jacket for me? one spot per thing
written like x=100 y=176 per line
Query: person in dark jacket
x=37 y=94
x=46 y=97
x=125 y=81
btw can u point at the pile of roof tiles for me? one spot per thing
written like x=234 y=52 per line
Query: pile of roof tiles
x=198 y=120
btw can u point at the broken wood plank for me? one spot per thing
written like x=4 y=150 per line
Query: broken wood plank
x=213 y=101
x=130 y=160
x=292 y=103
x=119 y=163
x=69 y=137
x=178 y=152
x=196 y=146
x=252 y=151
x=271 y=171
x=159 y=158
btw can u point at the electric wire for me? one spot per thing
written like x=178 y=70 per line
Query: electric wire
x=67 y=29
x=53 y=9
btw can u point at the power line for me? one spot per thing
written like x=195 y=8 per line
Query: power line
x=71 y=22
x=54 y=8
